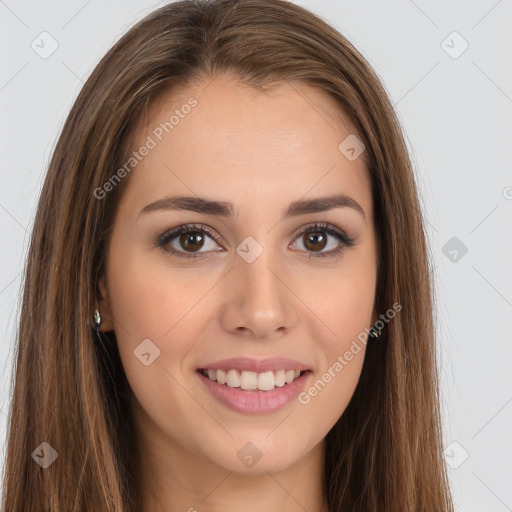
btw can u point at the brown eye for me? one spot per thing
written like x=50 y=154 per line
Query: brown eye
x=320 y=236
x=191 y=241
x=188 y=240
x=315 y=241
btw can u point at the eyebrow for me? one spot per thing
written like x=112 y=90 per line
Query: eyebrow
x=225 y=209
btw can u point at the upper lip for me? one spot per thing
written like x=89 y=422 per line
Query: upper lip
x=256 y=365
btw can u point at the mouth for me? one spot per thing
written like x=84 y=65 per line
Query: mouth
x=254 y=393
x=247 y=380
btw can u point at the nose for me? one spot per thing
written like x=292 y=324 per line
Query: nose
x=257 y=300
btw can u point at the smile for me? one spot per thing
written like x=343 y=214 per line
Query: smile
x=254 y=393
x=247 y=379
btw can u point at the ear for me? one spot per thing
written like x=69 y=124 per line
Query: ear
x=104 y=306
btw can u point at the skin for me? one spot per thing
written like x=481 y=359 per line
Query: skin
x=260 y=151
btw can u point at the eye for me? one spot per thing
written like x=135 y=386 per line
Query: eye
x=185 y=241
x=316 y=240
x=189 y=237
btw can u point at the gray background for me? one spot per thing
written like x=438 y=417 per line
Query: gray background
x=455 y=108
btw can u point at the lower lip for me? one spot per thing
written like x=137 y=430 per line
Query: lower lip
x=254 y=401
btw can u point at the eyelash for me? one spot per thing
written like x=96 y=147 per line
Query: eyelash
x=166 y=237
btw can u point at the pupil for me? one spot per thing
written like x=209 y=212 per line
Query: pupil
x=187 y=240
x=316 y=238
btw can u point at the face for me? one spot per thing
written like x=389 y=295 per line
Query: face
x=253 y=277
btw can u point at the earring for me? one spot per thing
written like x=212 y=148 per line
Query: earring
x=374 y=333
x=97 y=320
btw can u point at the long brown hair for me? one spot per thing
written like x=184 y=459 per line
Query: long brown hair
x=69 y=388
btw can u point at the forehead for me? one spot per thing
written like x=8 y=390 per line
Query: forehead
x=227 y=141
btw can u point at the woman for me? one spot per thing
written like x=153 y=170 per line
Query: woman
x=290 y=363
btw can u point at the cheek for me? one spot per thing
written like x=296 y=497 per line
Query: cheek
x=344 y=303
x=345 y=310
x=342 y=349
x=151 y=321
x=330 y=391
x=153 y=331
x=149 y=300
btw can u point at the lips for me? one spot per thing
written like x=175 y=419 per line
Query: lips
x=255 y=365
x=255 y=401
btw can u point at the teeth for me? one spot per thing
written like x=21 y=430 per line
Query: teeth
x=264 y=381
x=233 y=379
x=289 y=376
x=279 y=378
x=248 y=380
x=221 y=376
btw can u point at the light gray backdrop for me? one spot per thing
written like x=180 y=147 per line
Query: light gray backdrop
x=447 y=68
